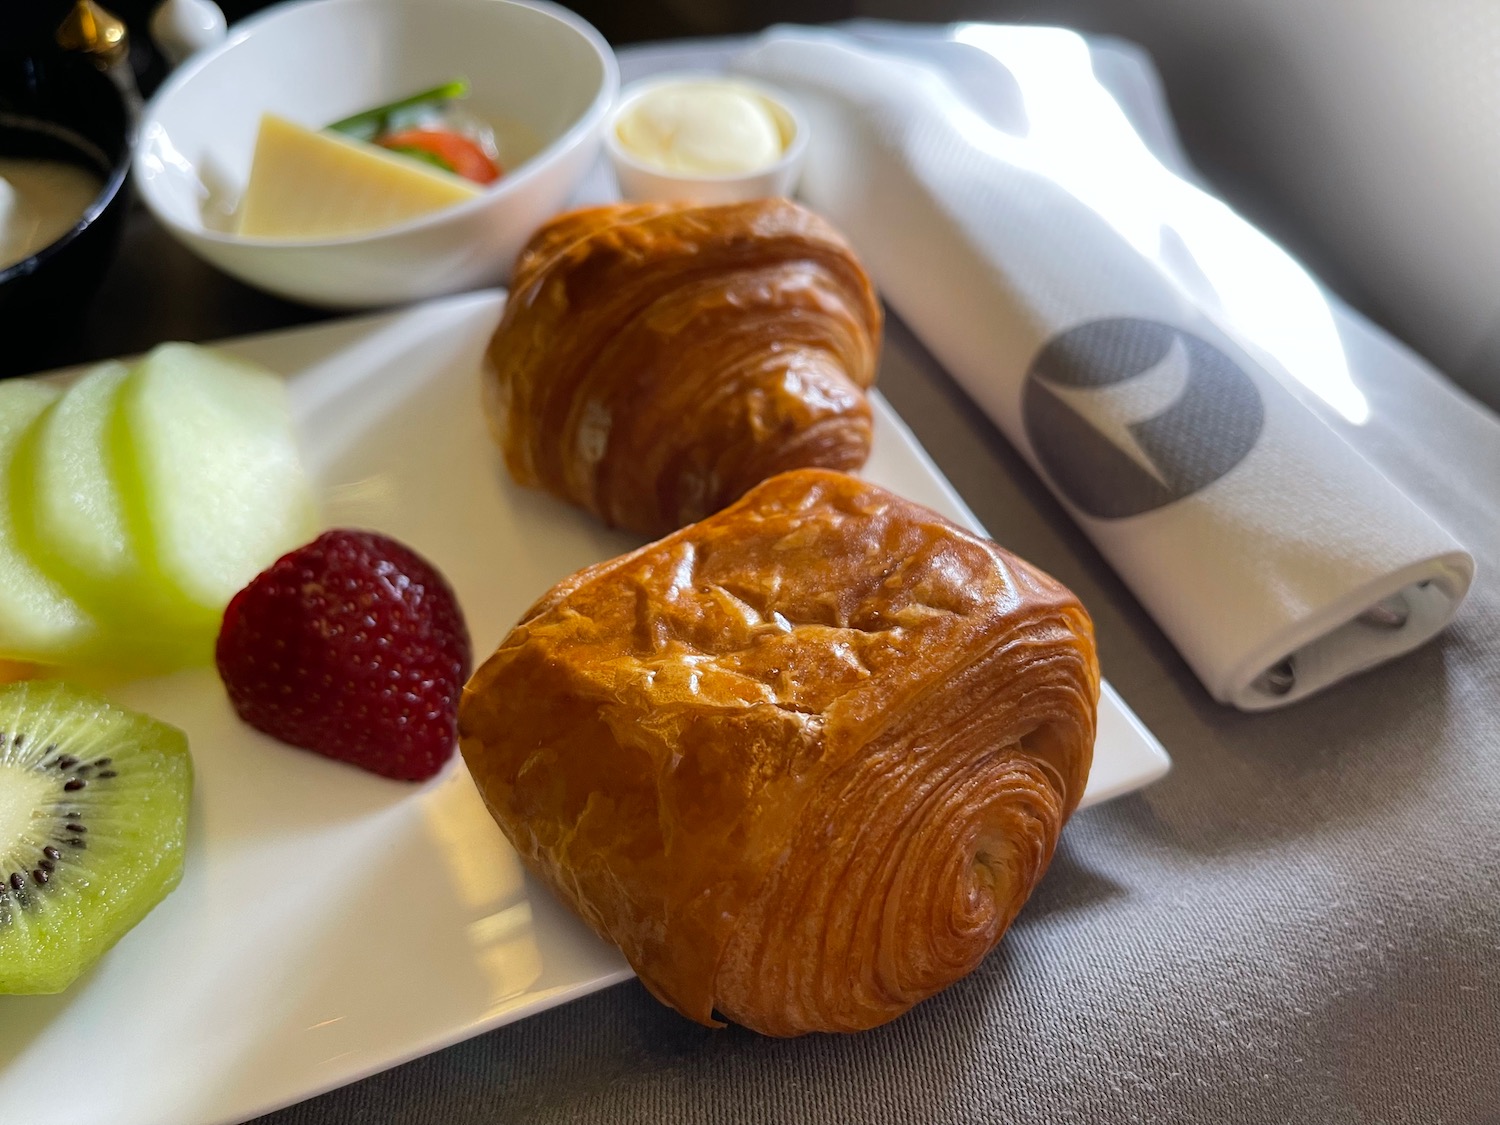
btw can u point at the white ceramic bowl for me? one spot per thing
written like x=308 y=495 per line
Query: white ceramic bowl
x=317 y=61
x=645 y=182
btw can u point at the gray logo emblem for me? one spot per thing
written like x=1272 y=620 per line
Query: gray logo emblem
x=1127 y=415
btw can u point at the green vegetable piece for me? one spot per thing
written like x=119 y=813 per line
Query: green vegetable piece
x=388 y=118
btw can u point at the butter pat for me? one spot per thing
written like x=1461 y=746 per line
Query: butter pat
x=702 y=128
x=310 y=185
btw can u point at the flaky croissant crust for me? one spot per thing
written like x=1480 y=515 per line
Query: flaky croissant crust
x=803 y=761
x=655 y=361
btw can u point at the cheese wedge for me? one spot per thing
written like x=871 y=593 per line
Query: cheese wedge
x=310 y=185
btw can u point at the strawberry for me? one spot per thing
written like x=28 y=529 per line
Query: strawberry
x=352 y=646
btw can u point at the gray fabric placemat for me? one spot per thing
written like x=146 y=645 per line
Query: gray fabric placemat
x=1300 y=923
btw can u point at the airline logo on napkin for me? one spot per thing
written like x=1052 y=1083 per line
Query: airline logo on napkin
x=1127 y=415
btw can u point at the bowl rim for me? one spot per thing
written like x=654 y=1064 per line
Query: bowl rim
x=113 y=182
x=510 y=184
x=633 y=93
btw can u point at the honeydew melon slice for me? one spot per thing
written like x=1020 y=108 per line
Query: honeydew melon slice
x=39 y=622
x=68 y=507
x=71 y=519
x=209 y=475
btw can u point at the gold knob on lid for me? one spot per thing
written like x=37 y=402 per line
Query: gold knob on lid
x=95 y=31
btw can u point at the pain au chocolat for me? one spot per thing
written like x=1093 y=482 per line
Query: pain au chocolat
x=655 y=361
x=803 y=761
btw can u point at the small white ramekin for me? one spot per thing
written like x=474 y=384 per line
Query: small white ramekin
x=643 y=182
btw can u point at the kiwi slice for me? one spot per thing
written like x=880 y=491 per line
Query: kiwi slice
x=93 y=820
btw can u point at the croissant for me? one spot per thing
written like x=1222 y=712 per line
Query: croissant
x=803 y=761
x=656 y=361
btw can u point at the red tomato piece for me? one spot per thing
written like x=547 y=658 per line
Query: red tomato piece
x=456 y=152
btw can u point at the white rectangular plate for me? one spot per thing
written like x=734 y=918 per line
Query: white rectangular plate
x=330 y=923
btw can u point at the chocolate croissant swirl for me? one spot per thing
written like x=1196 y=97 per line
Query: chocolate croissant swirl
x=802 y=761
x=656 y=361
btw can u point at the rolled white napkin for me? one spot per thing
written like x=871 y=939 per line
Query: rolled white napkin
x=1158 y=361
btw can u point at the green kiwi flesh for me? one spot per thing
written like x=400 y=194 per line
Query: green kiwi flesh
x=93 y=821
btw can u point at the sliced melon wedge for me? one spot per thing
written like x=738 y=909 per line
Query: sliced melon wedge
x=211 y=484
x=68 y=508
x=72 y=520
x=39 y=622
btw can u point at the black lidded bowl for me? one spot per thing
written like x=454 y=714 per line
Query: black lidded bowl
x=59 y=106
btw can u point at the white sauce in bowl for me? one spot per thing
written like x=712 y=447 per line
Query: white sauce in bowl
x=40 y=201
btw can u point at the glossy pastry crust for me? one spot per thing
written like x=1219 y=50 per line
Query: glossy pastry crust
x=803 y=761
x=655 y=361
